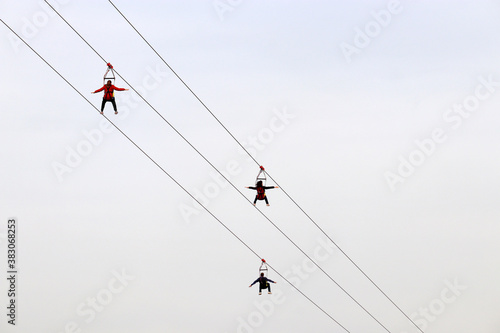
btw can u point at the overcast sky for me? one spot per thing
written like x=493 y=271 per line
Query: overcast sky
x=378 y=118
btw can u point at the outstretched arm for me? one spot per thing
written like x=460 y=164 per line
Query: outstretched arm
x=254 y=283
x=270 y=187
x=101 y=89
x=120 y=89
x=252 y=187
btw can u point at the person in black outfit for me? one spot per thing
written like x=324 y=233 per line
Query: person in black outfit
x=261 y=192
x=263 y=283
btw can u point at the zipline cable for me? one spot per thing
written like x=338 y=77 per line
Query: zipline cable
x=244 y=149
x=173 y=179
x=220 y=173
x=241 y=193
x=163 y=118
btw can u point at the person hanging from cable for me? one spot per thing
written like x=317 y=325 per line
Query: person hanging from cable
x=263 y=283
x=261 y=192
x=109 y=95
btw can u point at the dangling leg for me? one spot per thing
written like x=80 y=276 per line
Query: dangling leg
x=260 y=289
x=114 y=105
x=268 y=288
x=267 y=202
x=255 y=201
x=102 y=105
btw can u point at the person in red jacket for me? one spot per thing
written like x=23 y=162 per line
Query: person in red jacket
x=109 y=95
x=261 y=192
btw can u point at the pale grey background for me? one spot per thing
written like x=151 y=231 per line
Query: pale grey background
x=117 y=212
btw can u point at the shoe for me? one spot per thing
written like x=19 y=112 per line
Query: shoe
x=116 y=112
x=260 y=293
x=268 y=205
x=269 y=293
x=102 y=112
